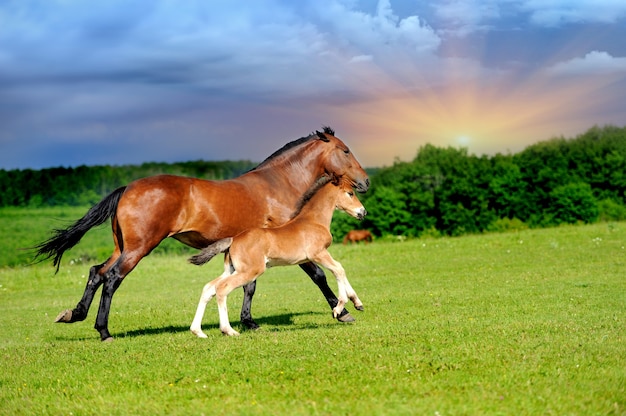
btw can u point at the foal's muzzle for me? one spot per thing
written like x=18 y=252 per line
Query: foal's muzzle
x=361 y=214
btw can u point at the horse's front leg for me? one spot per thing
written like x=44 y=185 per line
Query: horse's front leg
x=319 y=278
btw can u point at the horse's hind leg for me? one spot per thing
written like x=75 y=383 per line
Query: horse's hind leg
x=319 y=278
x=113 y=276
x=79 y=313
x=112 y=281
x=246 y=314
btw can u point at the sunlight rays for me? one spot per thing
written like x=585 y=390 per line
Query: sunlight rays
x=487 y=111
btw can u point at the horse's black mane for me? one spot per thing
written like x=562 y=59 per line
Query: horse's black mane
x=317 y=185
x=328 y=130
x=297 y=142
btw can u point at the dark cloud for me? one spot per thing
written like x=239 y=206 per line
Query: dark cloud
x=126 y=81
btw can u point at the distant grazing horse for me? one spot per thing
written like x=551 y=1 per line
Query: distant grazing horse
x=355 y=236
x=304 y=238
x=199 y=212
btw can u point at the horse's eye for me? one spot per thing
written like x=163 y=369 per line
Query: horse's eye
x=347 y=151
x=350 y=194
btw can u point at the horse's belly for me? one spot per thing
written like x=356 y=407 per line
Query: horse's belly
x=192 y=239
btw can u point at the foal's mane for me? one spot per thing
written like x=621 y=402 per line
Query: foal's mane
x=296 y=143
x=306 y=197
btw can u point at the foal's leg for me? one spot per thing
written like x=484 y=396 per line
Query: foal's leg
x=223 y=287
x=207 y=294
x=344 y=288
x=319 y=278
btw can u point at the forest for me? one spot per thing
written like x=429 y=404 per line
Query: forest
x=442 y=191
x=86 y=185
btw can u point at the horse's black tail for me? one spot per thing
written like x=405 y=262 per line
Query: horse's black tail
x=211 y=251
x=64 y=239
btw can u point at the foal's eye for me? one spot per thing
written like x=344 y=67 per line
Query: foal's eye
x=350 y=194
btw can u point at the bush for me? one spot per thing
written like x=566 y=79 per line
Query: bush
x=502 y=225
x=572 y=203
x=610 y=210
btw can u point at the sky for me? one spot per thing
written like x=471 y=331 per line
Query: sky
x=130 y=81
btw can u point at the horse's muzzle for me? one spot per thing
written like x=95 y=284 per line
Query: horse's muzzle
x=362 y=186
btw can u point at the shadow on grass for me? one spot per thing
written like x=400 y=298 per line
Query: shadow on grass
x=285 y=320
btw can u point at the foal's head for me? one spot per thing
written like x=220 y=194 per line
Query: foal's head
x=347 y=201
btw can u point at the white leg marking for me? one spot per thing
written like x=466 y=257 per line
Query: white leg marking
x=223 y=312
x=207 y=294
x=344 y=288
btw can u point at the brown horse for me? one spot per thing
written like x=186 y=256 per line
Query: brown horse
x=355 y=236
x=305 y=238
x=199 y=212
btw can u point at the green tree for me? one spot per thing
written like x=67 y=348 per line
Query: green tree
x=572 y=203
x=387 y=212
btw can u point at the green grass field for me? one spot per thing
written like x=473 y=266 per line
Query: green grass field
x=522 y=323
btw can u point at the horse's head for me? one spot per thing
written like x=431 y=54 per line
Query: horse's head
x=339 y=161
x=348 y=202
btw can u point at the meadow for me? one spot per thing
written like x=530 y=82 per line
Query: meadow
x=521 y=323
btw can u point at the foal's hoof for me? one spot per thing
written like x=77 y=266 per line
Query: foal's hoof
x=65 y=316
x=359 y=308
x=346 y=317
x=198 y=332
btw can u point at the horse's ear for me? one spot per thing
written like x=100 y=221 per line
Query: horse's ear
x=322 y=136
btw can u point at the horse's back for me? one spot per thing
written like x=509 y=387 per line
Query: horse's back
x=194 y=211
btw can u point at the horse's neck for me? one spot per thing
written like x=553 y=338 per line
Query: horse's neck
x=293 y=173
x=321 y=206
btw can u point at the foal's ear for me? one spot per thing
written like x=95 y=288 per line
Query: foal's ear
x=322 y=136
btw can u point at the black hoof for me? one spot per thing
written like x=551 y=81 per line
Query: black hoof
x=346 y=317
x=64 y=317
x=109 y=339
x=250 y=324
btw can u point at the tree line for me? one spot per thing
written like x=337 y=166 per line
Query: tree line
x=446 y=191
x=442 y=191
x=86 y=185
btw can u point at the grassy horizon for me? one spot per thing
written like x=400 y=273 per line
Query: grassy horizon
x=524 y=323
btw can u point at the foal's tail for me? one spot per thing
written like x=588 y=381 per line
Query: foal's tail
x=63 y=240
x=211 y=251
